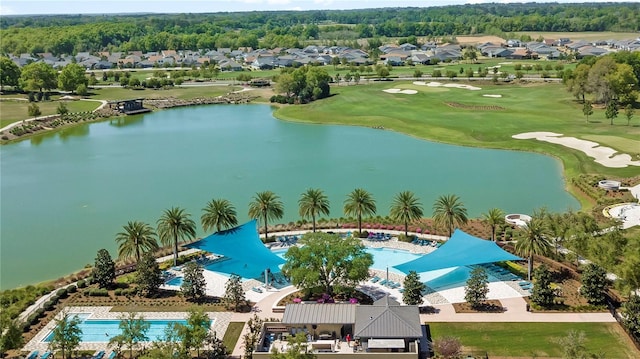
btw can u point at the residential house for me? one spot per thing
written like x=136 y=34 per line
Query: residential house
x=585 y=51
x=408 y=47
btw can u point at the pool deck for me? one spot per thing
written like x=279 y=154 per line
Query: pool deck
x=220 y=323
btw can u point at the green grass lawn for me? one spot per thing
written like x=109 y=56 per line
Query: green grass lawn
x=232 y=335
x=13 y=111
x=536 y=339
x=522 y=108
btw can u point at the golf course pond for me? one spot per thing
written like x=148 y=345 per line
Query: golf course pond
x=66 y=194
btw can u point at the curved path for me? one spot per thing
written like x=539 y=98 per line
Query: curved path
x=8 y=127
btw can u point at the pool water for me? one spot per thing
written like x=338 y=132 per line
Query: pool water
x=177 y=281
x=98 y=330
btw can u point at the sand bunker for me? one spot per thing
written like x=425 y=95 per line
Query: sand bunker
x=439 y=84
x=494 y=96
x=406 y=92
x=603 y=155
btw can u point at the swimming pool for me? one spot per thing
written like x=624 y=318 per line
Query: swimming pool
x=101 y=330
x=383 y=258
x=177 y=281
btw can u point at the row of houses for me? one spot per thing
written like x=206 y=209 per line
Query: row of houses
x=553 y=49
x=261 y=59
x=225 y=58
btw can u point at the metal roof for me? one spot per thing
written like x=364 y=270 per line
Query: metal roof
x=374 y=321
x=319 y=313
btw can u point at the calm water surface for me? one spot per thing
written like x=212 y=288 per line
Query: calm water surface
x=66 y=194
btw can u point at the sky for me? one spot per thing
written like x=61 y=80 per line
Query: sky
x=49 y=7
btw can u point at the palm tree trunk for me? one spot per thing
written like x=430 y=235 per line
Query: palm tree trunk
x=313 y=219
x=266 y=234
x=359 y=224
x=493 y=233
x=175 y=249
x=406 y=229
x=530 y=267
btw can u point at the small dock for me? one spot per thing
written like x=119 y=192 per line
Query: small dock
x=128 y=107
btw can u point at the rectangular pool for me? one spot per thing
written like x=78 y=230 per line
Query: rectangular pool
x=101 y=330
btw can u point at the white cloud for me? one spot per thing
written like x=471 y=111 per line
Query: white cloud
x=278 y=2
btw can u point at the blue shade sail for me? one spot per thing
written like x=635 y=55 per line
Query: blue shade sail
x=462 y=249
x=245 y=253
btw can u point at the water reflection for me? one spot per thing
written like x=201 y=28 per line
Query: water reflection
x=126 y=121
x=75 y=131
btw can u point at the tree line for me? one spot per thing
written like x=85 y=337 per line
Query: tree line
x=69 y=34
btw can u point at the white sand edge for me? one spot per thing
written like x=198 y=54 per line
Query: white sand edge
x=405 y=92
x=439 y=84
x=605 y=156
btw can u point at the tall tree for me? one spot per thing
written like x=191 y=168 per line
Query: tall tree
x=533 y=239
x=219 y=214
x=406 y=207
x=137 y=238
x=66 y=335
x=268 y=206
x=594 y=284
x=234 y=293
x=449 y=211
x=543 y=294
x=628 y=113
x=193 y=284
x=104 y=269
x=558 y=228
x=494 y=218
x=359 y=203
x=38 y=76
x=611 y=111
x=413 y=289
x=475 y=292
x=175 y=226
x=133 y=330
x=9 y=73
x=587 y=109
x=71 y=77
x=148 y=275
x=296 y=349
x=313 y=202
x=327 y=262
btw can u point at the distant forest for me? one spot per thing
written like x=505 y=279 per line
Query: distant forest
x=69 y=34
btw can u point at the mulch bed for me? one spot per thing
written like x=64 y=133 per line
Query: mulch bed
x=489 y=306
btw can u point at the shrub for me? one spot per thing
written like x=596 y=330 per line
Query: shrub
x=39 y=313
x=118 y=292
x=82 y=283
x=62 y=293
x=72 y=289
x=34 y=110
x=48 y=305
x=403 y=238
x=364 y=234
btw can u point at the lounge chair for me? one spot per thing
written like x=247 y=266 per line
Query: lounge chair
x=98 y=355
x=256 y=289
x=375 y=279
x=384 y=282
x=46 y=355
x=33 y=354
x=112 y=355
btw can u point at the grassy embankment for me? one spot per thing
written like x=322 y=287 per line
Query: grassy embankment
x=481 y=121
x=536 y=339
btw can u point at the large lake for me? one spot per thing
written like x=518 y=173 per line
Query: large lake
x=66 y=194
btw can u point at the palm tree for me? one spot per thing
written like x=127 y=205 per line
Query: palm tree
x=359 y=203
x=313 y=202
x=219 y=214
x=494 y=218
x=268 y=206
x=449 y=211
x=558 y=228
x=137 y=238
x=174 y=226
x=533 y=240
x=406 y=207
